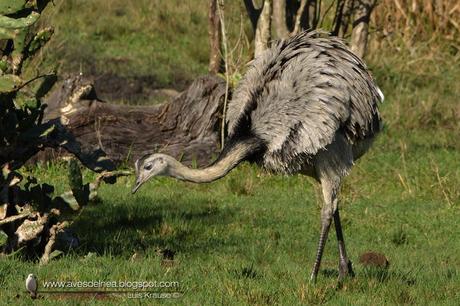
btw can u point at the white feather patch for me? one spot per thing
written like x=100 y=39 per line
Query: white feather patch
x=382 y=97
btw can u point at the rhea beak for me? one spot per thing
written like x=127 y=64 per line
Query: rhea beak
x=137 y=186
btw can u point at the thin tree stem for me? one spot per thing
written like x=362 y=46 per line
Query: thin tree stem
x=220 y=11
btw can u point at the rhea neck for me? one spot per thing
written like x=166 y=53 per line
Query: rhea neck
x=230 y=157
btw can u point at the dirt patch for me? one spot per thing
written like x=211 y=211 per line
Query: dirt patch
x=111 y=87
x=136 y=90
x=133 y=89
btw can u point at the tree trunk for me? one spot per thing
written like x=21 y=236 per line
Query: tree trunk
x=279 y=19
x=215 y=59
x=253 y=13
x=338 y=17
x=298 y=17
x=310 y=21
x=347 y=14
x=263 y=36
x=186 y=127
x=360 y=31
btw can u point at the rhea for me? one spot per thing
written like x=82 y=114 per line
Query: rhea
x=307 y=105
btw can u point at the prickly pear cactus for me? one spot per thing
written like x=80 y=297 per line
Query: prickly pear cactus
x=31 y=214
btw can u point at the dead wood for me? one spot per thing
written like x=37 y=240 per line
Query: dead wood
x=187 y=127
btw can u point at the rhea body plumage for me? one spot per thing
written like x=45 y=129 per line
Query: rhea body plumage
x=307 y=105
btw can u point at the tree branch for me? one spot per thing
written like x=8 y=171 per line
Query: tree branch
x=347 y=14
x=253 y=13
x=54 y=230
x=360 y=32
x=279 y=18
x=263 y=28
x=298 y=17
x=220 y=10
x=337 y=22
x=215 y=60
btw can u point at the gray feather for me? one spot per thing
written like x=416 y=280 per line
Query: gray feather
x=299 y=94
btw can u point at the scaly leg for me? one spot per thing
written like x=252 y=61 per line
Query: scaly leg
x=330 y=188
x=345 y=267
x=326 y=218
x=331 y=165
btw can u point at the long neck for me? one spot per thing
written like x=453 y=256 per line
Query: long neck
x=230 y=157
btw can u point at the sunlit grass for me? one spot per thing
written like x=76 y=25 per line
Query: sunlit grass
x=250 y=238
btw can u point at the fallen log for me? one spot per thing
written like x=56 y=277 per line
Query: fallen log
x=187 y=127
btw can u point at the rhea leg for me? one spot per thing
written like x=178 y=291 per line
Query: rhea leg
x=330 y=210
x=330 y=206
x=326 y=218
x=345 y=267
x=331 y=165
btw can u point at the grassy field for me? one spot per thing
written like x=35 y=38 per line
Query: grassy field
x=250 y=238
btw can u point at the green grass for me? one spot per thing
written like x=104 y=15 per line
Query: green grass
x=250 y=238
x=165 y=42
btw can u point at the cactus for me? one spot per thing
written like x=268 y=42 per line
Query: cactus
x=9 y=83
x=18 y=23
x=40 y=39
x=31 y=214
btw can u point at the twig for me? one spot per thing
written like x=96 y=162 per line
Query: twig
x=220 y=7
x=403 y=147
x=239 y=40
x=35 y=78
x=327 y=11
x=399 y=7
x=318 y=13
x=114 y=174
x=97 y=130
x=438 y=177
x=338 y=19
x=298 y=17
x=454 y=23
x=14 y=218
x=454 y=9
x=54 y=230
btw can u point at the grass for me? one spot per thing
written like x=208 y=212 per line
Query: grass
x=162 y=42
x=250 y=238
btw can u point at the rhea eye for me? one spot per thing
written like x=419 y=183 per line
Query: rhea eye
x=148 y=167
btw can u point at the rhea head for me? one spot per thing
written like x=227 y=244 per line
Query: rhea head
x=158 y=164
x=150 y=166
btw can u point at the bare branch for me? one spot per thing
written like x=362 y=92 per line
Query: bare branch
x=220 y=10
x=336 y=24
x=54 y=230
x=346 y=17
x=215 y=59
x=310 y=14
x=279 y=18
x=263 y=28
x=298 y=17
x=360 y=32
x=14 y=218
x=318 y=13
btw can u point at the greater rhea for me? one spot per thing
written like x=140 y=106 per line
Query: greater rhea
x=307 y=105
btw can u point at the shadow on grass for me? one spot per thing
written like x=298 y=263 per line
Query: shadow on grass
x=380 y=275
x=383 y=275
x=246 y=271
x=329 y=273
x=120 y=229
